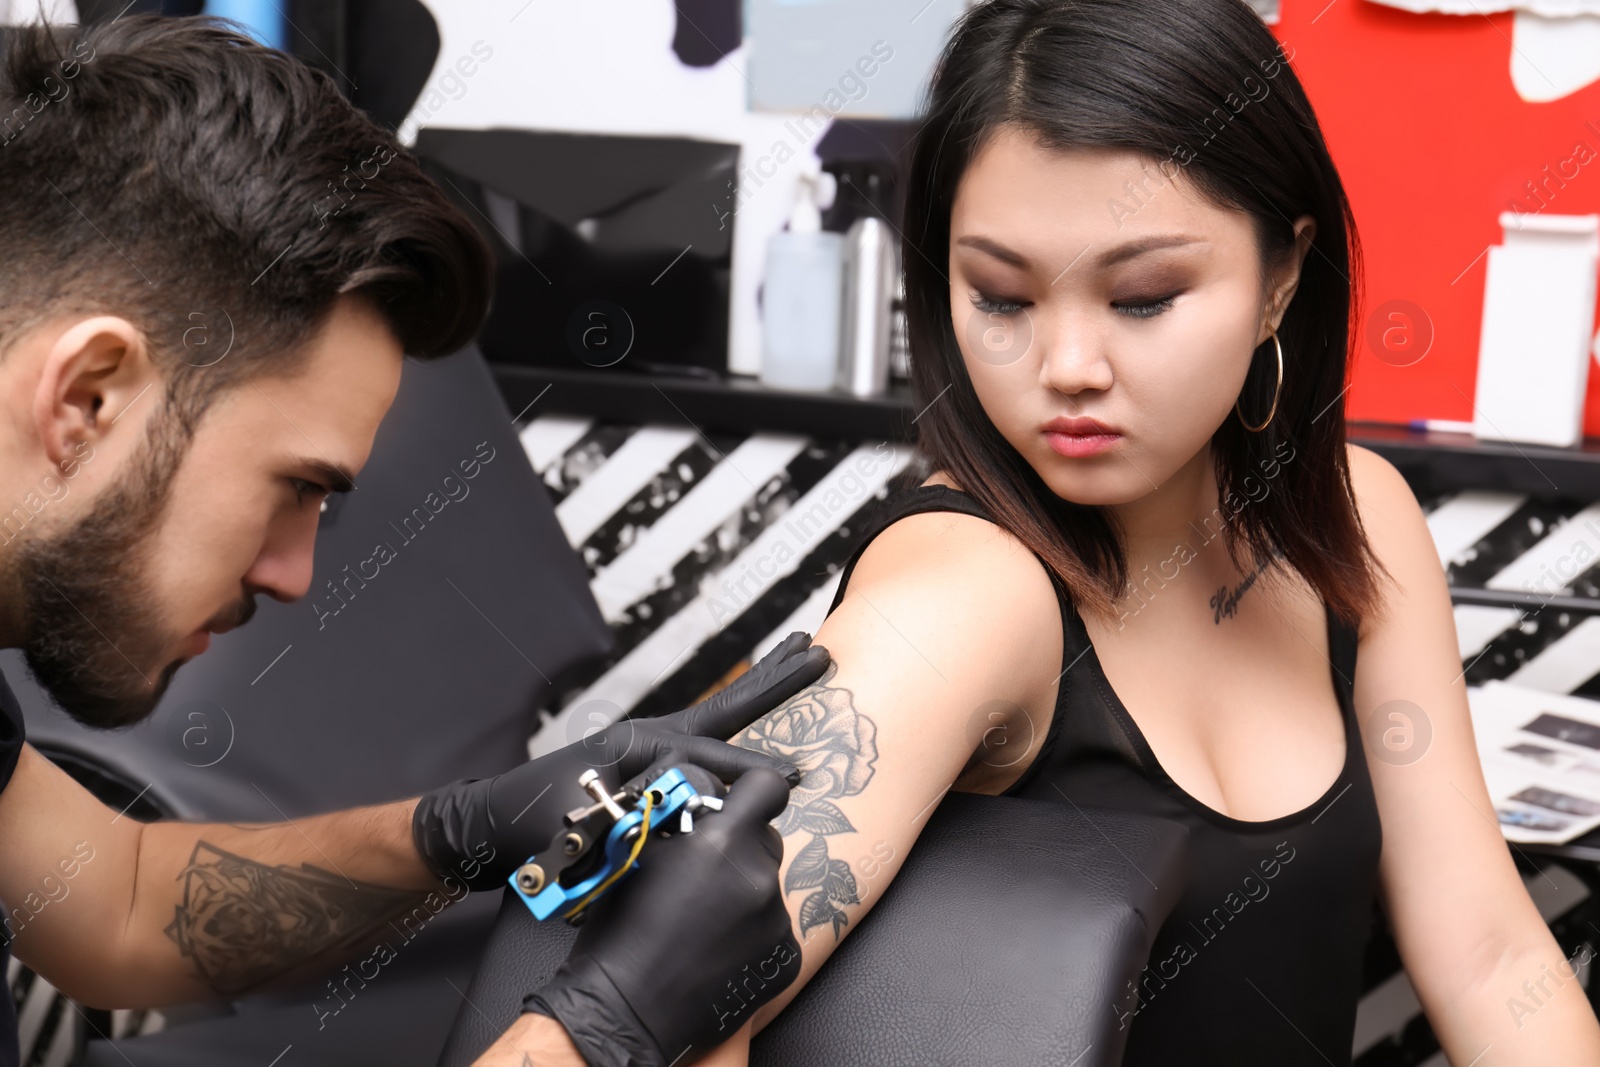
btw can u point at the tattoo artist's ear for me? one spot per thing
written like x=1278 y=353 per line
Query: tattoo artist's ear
x=90 y=374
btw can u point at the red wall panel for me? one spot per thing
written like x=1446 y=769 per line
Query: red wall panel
x=1433 y=143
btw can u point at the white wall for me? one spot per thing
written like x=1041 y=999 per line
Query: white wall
x=18 y=12
x=609 y=67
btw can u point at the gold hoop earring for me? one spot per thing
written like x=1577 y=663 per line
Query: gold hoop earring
x=1277 y=389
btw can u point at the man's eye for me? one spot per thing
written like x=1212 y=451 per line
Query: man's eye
x=992 y=306
x=304 y=488
x=1144 y=309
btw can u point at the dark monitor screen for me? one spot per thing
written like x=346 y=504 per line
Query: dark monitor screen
x=611 y=250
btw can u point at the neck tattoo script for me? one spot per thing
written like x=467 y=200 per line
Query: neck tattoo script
x=1225 y=604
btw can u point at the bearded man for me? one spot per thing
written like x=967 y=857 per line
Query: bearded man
x=159 y=175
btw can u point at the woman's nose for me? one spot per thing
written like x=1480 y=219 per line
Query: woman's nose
x=1071 y=350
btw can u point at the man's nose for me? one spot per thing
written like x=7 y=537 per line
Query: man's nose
x=283 y=568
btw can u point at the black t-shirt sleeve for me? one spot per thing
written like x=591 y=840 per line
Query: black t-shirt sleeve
x=12 y=733
x=11 y=737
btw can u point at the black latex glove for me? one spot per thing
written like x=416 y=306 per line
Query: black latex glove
x=477 y=831
x=679 y=955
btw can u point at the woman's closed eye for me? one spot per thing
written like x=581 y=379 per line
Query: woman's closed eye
x=1137 y=307
x=1145 y=307
x=991 y=305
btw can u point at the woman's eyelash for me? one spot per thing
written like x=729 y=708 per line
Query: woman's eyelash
x=1138 y=309
x=1145 y=309
x=990 y=306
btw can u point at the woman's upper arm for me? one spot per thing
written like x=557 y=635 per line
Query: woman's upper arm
x=1451 y=890
x=944 y=615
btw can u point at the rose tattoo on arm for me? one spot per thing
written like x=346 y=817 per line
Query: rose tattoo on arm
x=820 y=731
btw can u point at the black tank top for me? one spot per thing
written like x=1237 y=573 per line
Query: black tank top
x=1261 y=960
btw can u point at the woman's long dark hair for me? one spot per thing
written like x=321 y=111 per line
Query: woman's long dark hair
x=1197 y=84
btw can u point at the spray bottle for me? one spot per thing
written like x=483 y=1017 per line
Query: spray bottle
x=802 y=291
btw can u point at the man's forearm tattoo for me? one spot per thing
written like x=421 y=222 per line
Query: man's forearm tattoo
x=820 y=731
x=244 y=923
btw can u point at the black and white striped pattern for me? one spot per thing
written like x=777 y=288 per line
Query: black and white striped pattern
x=1543 y=547
x=703 y=552
x=680 y=532
x=670 y=522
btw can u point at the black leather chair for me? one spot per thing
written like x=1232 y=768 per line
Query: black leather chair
x=432 y=670
x=1009 y=938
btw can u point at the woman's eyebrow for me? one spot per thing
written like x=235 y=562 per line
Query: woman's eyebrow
x=1108 y=258
x=1133 y=249
x=995 y=249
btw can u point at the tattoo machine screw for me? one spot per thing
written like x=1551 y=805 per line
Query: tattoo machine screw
x=602 y=842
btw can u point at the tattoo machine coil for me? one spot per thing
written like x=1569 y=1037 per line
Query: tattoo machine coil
x=602 y=842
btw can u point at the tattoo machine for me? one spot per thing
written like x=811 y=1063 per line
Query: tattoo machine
x=602 y=842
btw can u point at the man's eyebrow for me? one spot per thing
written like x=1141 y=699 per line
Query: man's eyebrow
x=1109 y=258
x=335 y=477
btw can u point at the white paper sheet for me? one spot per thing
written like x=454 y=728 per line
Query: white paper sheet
x=1548 y=8
x=1541 y=760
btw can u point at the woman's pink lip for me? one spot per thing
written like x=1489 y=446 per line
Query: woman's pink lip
x=1076 y=446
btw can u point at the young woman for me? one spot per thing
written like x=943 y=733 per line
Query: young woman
x=1147 y=571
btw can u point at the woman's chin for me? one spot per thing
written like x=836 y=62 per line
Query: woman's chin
x=1104 y=488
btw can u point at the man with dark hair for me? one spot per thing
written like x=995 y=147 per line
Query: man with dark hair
x=211 y=267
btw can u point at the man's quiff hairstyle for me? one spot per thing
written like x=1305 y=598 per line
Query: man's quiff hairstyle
x=215 y=193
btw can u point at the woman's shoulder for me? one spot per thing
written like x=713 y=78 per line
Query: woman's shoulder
x=1395 y=527
x=1372 y=475
x=957 y=592
x=949 y=521
x=946 y=559
x=934 y=495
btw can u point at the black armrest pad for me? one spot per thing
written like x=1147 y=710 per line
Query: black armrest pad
x=1008 y=937
x=522 y=955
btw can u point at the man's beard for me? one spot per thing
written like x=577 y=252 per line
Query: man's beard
x=94 y=632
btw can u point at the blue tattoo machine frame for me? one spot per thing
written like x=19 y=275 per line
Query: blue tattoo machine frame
x=601 y=843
